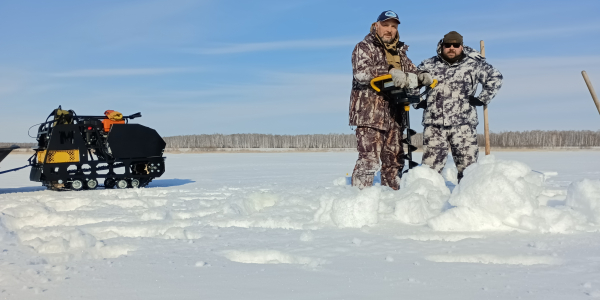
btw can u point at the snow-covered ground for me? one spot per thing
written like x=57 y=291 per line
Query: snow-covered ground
x=284 y=226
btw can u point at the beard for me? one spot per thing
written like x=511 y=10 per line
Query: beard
x=387 y=39
x=455 y=57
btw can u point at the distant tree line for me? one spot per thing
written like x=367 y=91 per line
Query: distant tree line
x=544 y=139
x=20 y=145
x=254 y=140
x=508 y=139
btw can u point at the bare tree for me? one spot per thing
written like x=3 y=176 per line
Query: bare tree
x=507 y=139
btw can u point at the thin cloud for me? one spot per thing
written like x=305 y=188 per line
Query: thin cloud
x=122 y=72
x=274 y=46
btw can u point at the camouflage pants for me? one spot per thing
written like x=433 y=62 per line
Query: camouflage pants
x=374 y=145
x=462 y=141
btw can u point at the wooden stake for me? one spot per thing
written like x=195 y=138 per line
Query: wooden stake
x=591 y=88
x=486 y=125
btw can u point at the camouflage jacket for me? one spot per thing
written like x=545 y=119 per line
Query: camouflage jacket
x=448 y=103
x=367 y=107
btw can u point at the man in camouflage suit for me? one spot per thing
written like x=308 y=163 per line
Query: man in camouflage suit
x=450 y=116
x=379 y=125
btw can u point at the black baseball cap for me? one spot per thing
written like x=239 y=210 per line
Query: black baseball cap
x=386 y=15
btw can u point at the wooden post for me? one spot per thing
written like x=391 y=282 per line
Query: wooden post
x=591 y=88
x=486 y=124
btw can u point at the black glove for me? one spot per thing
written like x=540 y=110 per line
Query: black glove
x=422 y=104
x=475 y=101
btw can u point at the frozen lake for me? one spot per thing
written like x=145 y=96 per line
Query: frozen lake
x=276 y=226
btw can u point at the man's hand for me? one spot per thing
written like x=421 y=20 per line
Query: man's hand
x=400 y=79
x=422 y=104
x=425 y=79
x=475 y=101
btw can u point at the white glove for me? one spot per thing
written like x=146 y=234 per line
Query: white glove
x=399 y=78
x=411 y=81
x=425 y=79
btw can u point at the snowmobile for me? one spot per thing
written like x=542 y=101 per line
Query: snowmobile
x=74 y=152
x=401 y=97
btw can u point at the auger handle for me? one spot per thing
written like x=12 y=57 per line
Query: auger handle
x=388 y=76
x=377 y=79
x=434 y=84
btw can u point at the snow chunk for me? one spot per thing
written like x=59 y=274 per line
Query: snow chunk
x=493 y=195
x=423 y=194
x=270 y=257
x=553 y=220
x=353 y=208
x=201 y=264
x=259 y=201
x=450 y=174
x=584 y=197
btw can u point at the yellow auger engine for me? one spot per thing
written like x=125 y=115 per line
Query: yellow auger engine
x=74 y=152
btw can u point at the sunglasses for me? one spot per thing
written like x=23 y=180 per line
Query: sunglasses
x=455 y=45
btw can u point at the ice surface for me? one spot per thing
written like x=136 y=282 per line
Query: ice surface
x=495 y=259
x=256 y=226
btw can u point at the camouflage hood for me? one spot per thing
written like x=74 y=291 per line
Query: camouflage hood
x=448 y=103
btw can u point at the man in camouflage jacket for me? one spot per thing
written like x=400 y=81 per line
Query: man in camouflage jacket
x=450 y=116
x=380 y=126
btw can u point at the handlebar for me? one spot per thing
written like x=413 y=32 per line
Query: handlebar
x=388 y=76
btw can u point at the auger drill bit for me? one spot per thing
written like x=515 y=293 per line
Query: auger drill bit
x=409 y=133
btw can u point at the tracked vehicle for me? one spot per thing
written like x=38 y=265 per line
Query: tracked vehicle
x=76 y=152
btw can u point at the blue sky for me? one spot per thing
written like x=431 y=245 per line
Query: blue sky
x=280 y=67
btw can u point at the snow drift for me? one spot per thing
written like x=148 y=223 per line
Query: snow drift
x=584 y=197
x=503 y=195
x=423 y=194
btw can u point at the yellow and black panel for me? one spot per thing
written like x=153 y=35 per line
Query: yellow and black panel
x=58 y=156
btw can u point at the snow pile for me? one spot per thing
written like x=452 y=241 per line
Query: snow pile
x=423 y=194
x=271 y=257
x=350 y=207
x=450 y=174
x=584 y=197
x=258 y=201
x=502 y=195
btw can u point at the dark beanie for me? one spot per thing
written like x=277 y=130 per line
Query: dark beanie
x=453 y=37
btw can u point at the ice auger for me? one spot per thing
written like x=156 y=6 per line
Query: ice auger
x=401 y=97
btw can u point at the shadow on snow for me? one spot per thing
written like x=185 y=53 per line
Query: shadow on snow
x=169 y=182
x=22 y=189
